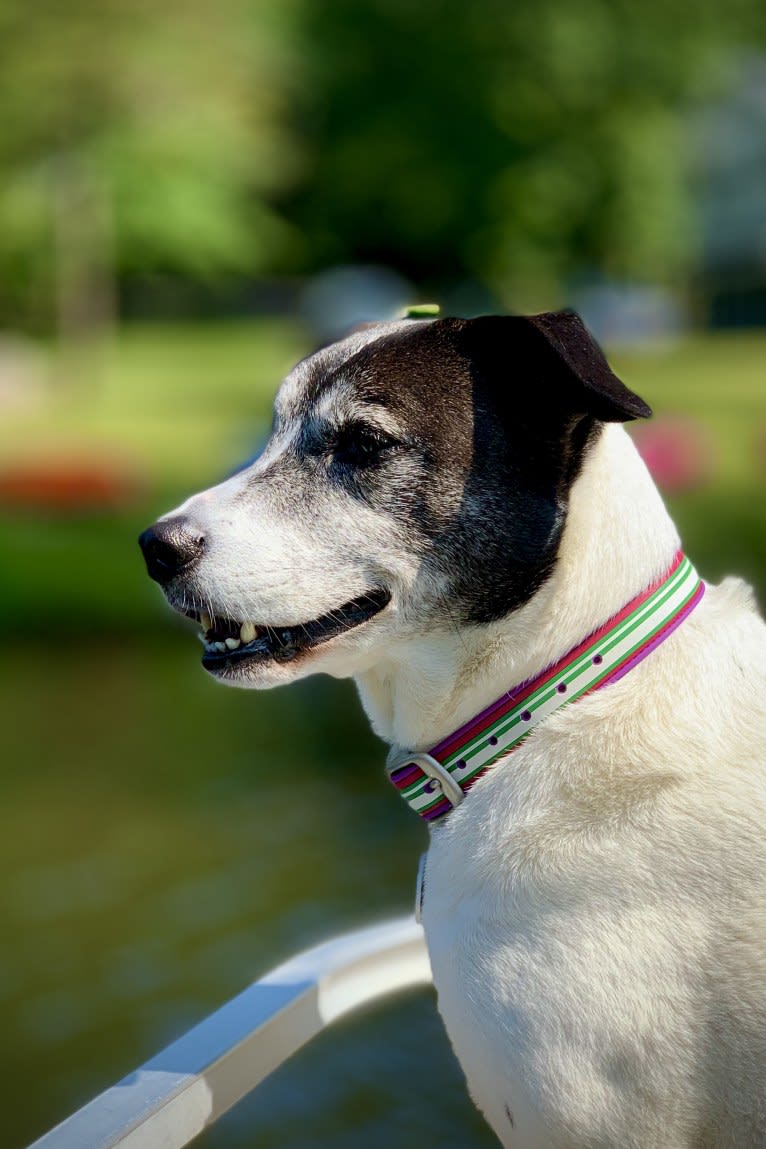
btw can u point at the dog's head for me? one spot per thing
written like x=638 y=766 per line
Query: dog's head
x=416 y=478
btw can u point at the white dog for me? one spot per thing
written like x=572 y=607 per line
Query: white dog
x=449 y=511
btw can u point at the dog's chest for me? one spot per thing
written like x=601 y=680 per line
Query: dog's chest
x=496 y=944
x=482 y=1003
x=544 y=972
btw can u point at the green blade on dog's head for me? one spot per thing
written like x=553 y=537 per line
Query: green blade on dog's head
x=421 y=311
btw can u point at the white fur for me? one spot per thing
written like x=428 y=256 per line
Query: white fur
x=423 y=687
x=595 y=910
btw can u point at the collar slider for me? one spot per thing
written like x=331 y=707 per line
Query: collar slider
x=441 y=781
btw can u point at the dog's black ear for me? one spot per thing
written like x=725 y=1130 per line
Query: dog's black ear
x=555 y=349
x=579 y=354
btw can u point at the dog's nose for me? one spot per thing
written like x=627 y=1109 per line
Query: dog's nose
x=169 y=546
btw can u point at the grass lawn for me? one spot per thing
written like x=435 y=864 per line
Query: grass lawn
x=721 y=380
x=177 y=406
x=176 y=402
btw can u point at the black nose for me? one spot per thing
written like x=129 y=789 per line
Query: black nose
x=168 y=547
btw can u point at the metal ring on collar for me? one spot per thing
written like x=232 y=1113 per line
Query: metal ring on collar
x=429 y=765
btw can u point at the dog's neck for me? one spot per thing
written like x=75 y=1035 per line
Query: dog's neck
x=618 y=538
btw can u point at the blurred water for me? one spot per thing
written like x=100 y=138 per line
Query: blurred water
x=165 y=840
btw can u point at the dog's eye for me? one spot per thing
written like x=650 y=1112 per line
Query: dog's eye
x=360 y=446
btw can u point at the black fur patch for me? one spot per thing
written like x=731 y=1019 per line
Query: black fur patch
x=496 y=416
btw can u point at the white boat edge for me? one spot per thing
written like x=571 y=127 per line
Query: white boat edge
x=191 y=1083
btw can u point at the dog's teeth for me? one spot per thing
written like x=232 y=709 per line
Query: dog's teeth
x=247 y=632
x=219 y=646
x=205 y=621
x=232 y=643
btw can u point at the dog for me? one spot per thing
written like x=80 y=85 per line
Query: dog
x=451 y=512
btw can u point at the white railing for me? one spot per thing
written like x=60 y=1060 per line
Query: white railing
x=173 y=1097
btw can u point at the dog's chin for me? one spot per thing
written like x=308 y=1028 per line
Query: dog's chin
x=259 y=656
x=338 y=657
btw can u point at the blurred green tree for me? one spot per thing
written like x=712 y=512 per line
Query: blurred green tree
x=515 y=143
x=136 y=136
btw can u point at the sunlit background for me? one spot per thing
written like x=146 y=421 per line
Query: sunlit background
x=192 y=195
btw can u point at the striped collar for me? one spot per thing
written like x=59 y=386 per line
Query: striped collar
x=435 y=781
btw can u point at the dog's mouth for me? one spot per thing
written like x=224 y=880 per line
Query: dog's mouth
x=229 y=642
